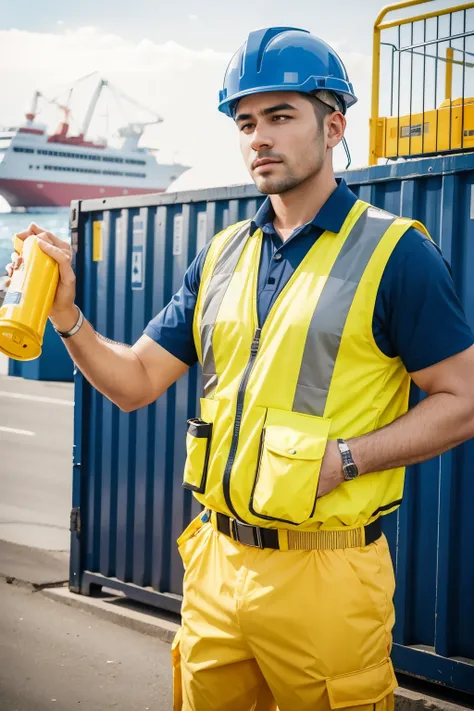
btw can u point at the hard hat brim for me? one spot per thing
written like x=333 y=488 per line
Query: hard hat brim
x=227 y=105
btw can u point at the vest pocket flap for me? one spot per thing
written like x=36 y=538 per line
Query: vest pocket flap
x=362 y=688
x=296 y=436
x=294 y=445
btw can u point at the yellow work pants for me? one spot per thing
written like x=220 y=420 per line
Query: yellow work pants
x=301 y=630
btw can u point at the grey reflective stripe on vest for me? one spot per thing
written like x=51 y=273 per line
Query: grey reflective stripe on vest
x=220 y=280
x=332 y=309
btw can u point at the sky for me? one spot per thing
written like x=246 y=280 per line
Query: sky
x=170 y=57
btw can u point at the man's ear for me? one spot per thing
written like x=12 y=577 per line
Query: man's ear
x=336 y=126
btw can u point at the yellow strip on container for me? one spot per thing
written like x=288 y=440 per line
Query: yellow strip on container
x=97 y=251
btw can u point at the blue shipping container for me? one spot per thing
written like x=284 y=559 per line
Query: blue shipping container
x=128 y=503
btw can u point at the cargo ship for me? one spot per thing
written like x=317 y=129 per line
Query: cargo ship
x=38 y=170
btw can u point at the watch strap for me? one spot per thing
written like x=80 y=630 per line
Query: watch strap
x=348 y=465
x=74 y=329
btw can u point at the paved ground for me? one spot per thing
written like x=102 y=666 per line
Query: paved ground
x=37 y=567
x=58 y=657
x=3 y=362
x=35 y=462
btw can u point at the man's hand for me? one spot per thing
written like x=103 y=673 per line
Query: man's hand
x=63 y=312
x=331 y=474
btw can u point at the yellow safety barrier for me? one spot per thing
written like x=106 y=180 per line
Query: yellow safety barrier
x=447 y=127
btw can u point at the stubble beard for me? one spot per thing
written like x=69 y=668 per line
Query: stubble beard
x=279 y=186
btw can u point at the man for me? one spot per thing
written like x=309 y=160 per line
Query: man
x=310 y=321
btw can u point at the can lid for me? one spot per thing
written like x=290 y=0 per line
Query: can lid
x=19 y=342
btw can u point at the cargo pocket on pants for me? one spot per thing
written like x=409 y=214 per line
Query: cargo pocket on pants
x=186 y=540
x=372 y=688
x=198 y=447
x=292 y=448
x=177 y=679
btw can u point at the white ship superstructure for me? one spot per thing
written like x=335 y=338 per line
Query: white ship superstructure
x=41 y=170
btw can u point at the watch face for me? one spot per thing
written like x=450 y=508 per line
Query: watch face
x=350 y=471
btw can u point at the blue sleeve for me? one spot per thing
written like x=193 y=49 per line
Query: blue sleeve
x=418 y=315
x=172 y=328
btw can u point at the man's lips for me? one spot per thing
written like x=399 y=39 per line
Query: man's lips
x=264 y=161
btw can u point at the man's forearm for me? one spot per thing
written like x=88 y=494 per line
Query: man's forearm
x=436 y=424
x=112 y=368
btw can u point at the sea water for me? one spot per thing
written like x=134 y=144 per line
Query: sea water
x=56 y=222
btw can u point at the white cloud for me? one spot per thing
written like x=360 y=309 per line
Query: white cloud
x=192 y=17
x=179 y=83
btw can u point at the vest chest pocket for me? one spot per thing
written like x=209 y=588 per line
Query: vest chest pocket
x=198 y=447
x=291 y=451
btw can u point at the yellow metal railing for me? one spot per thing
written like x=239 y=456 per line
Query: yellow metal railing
x=449 y=73
x=382 y=128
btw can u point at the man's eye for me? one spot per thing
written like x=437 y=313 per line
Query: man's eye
x=246 y=126
x=281 y=116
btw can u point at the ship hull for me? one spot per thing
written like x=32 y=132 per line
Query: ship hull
x=29 y=193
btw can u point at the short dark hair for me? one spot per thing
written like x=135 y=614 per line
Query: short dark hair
x=321 y=110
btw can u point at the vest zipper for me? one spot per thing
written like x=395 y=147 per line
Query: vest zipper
x=238 y=420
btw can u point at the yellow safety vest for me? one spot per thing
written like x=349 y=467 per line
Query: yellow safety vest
x=273 y=396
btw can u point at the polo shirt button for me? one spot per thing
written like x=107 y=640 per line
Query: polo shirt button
x=277 y=256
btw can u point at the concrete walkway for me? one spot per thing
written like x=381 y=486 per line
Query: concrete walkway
x=36 y=425
x=3 y=364
x=64 y=658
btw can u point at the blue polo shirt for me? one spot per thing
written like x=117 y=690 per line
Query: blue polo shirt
x=417 y=313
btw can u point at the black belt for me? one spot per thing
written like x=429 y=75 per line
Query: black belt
x=268 y=537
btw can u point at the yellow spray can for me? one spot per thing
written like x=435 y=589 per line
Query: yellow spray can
x=28 y=301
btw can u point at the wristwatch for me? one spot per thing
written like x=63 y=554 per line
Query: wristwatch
x=349 y=467
x=74 y=329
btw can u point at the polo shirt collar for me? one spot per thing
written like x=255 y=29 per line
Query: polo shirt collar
x=330 y=217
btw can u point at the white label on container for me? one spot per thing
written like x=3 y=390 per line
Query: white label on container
x=138 y=252
x=201 y=231
x=177 y=235
x=472 y=202
x=138 y=281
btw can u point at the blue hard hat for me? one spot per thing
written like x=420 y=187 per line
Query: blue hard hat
x=284 y=59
